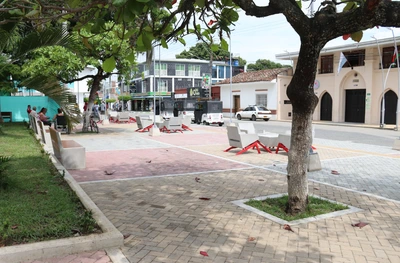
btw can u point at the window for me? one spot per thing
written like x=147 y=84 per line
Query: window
x=228 y=72
x=162 y=86
x=221 y=72
x=388 y=56
x=163 y=69
x=354 y=58
x=144 y=86
x=326 y=64
x=145 y=70
x=179 y=70
x=194 y=70
x=261 y=99
x=214 y=72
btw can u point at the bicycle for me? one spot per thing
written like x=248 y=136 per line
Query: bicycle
x=92 y=124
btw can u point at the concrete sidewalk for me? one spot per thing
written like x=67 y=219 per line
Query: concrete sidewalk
x=152 y=198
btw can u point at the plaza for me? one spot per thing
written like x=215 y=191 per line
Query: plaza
x=152 y=198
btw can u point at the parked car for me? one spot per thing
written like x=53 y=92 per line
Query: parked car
x=253 y=113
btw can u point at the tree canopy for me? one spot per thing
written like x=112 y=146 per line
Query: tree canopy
x=265 y=64
x=203 y=51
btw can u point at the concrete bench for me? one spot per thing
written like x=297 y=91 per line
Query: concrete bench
x=71 y=154
x=6 y=115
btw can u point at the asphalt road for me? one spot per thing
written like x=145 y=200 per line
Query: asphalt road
x=341 y=132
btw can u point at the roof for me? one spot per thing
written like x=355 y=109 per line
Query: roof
x=254 y=76
x=349 y=47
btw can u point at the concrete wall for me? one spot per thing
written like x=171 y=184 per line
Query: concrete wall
x=18 y=104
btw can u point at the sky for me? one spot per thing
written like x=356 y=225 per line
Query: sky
x=262 y=38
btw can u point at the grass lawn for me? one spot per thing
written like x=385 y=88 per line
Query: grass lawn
x=277 y=207
x=35 y=202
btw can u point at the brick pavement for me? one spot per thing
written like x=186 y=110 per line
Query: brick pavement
x=164 y=220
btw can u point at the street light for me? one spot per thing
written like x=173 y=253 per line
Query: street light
x=398 y=75
x=383 y=85
x=230 y=79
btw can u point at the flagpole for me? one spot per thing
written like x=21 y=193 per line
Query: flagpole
x=398 y=83
x=230 y=79
x=383 y=86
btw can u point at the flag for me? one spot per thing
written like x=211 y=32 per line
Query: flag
x=342 y=61
x=395 y=56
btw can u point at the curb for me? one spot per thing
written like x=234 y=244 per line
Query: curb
x=110 y=238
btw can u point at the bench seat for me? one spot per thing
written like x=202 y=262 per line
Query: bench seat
x=71 y=154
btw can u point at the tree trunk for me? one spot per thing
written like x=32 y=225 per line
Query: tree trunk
x=301 y=94
x=92 y=97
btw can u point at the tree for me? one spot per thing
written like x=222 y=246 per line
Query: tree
x=326 y=24
x=105 y=51
x=207 y=18
x=264 y=64
x=203 y=51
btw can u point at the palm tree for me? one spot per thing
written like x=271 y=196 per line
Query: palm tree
x=17 y=40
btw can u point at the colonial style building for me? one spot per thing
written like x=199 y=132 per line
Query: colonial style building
x=251 y=88
x=356 y=92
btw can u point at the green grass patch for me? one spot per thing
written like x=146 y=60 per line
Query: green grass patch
x=36 y=203
x=277 y=207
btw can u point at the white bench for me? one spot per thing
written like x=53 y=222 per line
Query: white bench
x=144 y=123
x=71 y=154
x=173 y=124
x=123 y=117
x=243 y=141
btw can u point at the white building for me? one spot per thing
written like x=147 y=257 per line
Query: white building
x=356 y=93
x=251 y=88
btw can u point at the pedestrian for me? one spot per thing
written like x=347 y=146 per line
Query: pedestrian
x=102 y=108
x=33 y=112
x=85 y=106
x=95 y=110
x=28 y=110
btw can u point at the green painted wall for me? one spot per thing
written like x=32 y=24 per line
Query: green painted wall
x=18 y=104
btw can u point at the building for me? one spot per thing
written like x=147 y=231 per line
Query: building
x=172 y=77
x=356 y=93
x=251 y=88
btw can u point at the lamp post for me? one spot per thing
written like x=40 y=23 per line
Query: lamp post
x=398 y=83
x=383 y=86
x=154 y=130
x=230 y=79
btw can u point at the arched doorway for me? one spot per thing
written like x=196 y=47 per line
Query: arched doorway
x=390 y=107
x=326 y=107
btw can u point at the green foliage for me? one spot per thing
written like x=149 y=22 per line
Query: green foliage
x=203 y=51
x=264 y=64
x=124 y=97
x=85 y=99
x=110 y=100
x=54 y=61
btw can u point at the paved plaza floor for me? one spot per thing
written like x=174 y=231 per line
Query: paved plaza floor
x=149 y=188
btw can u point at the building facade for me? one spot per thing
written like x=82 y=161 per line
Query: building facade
x=169 y=76
x=251 y=88
x=356 y=92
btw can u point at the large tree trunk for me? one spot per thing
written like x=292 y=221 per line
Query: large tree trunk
x=92 y=97
x=301 y=94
